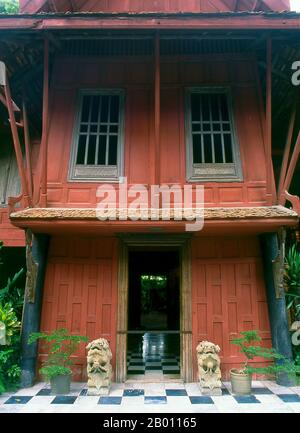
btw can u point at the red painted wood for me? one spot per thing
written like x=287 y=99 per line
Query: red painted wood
x=228 y=294
x=10 y=235
x=32 y=6
x=80 y=292
x=136 y=77
x=45 y=124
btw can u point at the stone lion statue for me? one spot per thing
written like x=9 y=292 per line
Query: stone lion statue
x=209 y=367
x=99 y=369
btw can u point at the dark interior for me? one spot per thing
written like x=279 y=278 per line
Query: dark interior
x=153 y=291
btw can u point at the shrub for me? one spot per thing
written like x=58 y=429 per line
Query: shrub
x=61 y=346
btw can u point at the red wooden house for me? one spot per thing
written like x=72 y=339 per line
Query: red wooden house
x=165 y=92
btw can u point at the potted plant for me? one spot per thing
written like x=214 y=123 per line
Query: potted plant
x=56 y=368
x=241 y=379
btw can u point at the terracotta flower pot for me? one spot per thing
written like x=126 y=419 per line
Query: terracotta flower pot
x=240 y=382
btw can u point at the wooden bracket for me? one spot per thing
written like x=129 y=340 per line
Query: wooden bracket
x=294 y=199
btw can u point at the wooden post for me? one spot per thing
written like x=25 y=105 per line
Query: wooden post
x=32 y=312
x=16 y=141
x=27 y=150
x=157 y=109
x=44 y=146
x=281 y=339
x=268 y=128
x=186 y=314
x=121 y=349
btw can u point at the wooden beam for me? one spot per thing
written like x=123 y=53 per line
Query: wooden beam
x=17 y=145
x=292 y=166
x=132 y=21
x=268 y=128
x=27 y=150
x=45 y=121
x=287 y=150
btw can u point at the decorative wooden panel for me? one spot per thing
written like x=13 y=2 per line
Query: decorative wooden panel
x=80 y=292
x=228 y=294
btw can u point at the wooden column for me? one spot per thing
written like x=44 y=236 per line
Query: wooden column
x=157 y=111
x=44 y=144
x=186 y=354
x=281 y=340
x=268 y=128
x=32 y=310
x=121 y=347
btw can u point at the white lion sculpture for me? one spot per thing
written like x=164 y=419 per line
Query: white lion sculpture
x=99 y=368
x=209 y=368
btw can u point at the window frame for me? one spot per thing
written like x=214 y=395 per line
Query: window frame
x=190 y=165
x=72 y=177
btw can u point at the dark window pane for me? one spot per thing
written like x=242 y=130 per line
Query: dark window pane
x=95 y=108
x=217 y=127
x=85 y=108
x=91 y=150
x=228 y=148
x=102 y=150
x=197 y=157
x=195 y=106
x=114 y=108
x=206 y=126
x=103 y=129
x=113 y=146
x=215 y=107
x=104 y=108
x=226 y=126
x=81 y=149
x=196 y=127
x=93 y=128
x=207 y=148
x=218 y=148
x=113 y=129
x=205 y=99
x=224 y=107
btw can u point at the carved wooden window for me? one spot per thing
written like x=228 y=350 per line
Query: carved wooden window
x=98 y=139
x=212 y=148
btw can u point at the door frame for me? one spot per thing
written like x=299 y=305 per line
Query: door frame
x=183 y=242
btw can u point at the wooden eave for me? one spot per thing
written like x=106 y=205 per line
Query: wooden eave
x=84 y=220
x=151 y=20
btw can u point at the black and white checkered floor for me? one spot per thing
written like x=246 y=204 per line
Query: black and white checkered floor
x=153 y=356
x=153 y=397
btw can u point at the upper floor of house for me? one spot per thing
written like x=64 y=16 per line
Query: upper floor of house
x=165 y=6
x=149 y=107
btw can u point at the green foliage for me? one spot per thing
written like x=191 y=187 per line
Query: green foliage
x=292 y=281
x=61 y=345
x=11 y=302
x=9 y=6
x=13 y=294
x=251 y=351
x=10 y=320
x=54 y=370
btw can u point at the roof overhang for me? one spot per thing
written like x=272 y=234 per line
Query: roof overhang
x=151 y=20
x=216 y=220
